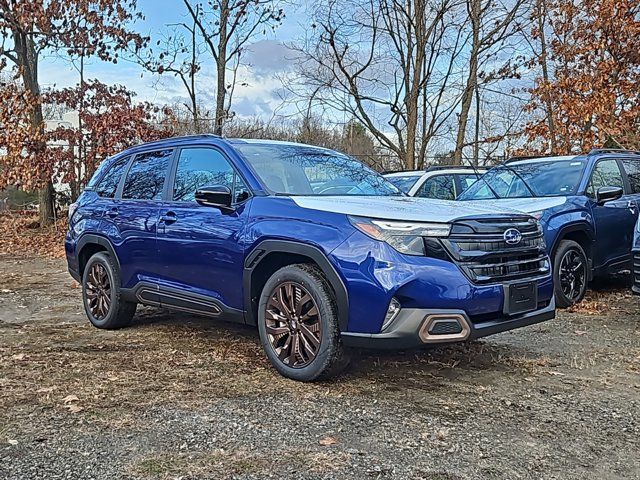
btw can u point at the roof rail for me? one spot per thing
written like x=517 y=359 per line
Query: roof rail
x=528 y=157
x=451 y=167
x=387 y=172
x=595 y=151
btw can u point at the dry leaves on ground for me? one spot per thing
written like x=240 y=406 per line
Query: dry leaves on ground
x=22 y=236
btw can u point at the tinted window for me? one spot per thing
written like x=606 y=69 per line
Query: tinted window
x=533 y=178
x=145 y=179
x=404 y=183
x=440 y=186
x=466 y=180
x=605 y=174
x=201 y=167
x=300 y=170
x=109 y=184
x=632 y=167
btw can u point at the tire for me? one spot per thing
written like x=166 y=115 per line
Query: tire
x=118 y=312
x=282 y=324
x=570 y=254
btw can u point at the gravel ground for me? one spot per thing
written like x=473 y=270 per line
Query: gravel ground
x=177 y=396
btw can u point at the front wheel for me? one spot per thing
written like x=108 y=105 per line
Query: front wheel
x=570 y=273
x=298 y=324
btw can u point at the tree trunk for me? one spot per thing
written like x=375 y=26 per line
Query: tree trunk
x=472 y=80
x=221 y=66
x=476 y=143
x=541 y=11
x=28 y=64
x=46 y=200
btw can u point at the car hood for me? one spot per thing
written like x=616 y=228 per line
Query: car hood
x=528 y=205
x=401 y=208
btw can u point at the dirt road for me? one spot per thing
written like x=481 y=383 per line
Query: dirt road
x=177 y=396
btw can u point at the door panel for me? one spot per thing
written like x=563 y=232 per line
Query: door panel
x=131 y=222
x=201 y=247
x=615 y=220
x=131 y=226
x=202 y=252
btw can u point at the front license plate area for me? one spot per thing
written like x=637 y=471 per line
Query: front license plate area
x=521 y=297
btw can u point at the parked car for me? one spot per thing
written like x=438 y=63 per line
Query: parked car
x=445 y=182
x=587 y=204
x=237 y=229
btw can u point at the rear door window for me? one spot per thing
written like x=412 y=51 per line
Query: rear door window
x=109 y=184
x=146 y=176
x=632 y=168
x=438 y=186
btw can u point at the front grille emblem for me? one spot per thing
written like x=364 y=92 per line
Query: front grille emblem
x=512 y=236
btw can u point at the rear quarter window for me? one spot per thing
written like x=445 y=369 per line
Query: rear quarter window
x=108 y=185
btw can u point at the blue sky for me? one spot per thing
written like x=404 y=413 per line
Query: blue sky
x=267 y=57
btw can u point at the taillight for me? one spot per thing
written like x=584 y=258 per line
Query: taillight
x=72 y=209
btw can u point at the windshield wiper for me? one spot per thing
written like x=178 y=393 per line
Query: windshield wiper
x=481 y=177
x=507 y=167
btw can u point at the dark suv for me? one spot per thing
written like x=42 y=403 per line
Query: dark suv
x=247 y=231
x=587 y=205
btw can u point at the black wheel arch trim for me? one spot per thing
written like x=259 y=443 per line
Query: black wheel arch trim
x=583 y=227
x=90 y=238
x=264 y=248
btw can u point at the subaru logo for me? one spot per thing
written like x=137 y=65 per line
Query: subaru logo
x=512 y=236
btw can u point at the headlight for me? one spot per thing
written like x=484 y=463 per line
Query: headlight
x=406 y=237
x=537 y=215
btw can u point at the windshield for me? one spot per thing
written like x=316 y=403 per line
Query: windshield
x=529 y=179
x=404 y=182
x=301 y=170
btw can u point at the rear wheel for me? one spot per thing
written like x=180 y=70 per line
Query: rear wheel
x=570 y=273
x=101 y=295
x=298 y=324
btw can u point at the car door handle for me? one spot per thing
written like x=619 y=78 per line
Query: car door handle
x=168 y=218
x=631 y=205
x=112 y=212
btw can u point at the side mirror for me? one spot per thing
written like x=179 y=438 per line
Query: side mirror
x=607 y=194
x=217 y=196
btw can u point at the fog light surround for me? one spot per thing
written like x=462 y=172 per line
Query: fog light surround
x=392 y=312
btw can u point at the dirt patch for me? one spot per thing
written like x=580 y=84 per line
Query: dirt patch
x=178 y=396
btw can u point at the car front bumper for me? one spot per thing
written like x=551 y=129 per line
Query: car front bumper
x=414 y=327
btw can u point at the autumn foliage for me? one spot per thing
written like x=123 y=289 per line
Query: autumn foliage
x=594 y=92
x=111 y=121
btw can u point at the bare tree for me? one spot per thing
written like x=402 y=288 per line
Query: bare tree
x=492 y=25
x=227 y=27
x=178 y=54
x=540 y=15
x=388 y=64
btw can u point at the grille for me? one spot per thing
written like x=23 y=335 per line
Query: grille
x=479 y=247
x=636 y=271
x=445 y=327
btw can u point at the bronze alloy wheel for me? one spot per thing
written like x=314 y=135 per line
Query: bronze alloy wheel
x=293 y=324
x=98 y=291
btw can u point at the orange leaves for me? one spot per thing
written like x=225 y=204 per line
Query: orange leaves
x=20 y=237
x=594 y=95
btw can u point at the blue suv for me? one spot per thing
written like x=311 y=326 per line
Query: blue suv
x=587 y=204
x=241 y=230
